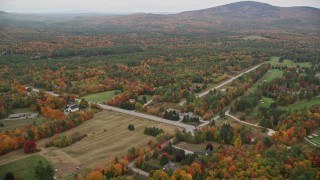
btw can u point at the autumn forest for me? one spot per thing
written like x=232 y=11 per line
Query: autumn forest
x=230 y=92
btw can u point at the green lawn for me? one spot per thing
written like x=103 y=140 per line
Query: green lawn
x=270 y=75
x=266 y=102
x=12 y=124
x=23 y=168
x=254 y=37
x=22 y=110
x=287 y=62
x=100 y=97
x=316 y=139
x=301 y=105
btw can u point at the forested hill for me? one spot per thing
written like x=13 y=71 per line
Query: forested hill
x=240 y=16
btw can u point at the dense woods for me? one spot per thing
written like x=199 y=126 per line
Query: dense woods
x=161 y=65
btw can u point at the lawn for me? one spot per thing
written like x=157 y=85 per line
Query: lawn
x=254 y=38
x=12 y=124
x=21 y=110
x=270 y=75
x=108 y=137
x=275 y=60
x=316 y=139
x=23 y=168
x=198 y=147
x=100 y=97
x=301 y=105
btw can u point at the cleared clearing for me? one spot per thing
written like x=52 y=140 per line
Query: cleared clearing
x=254 y=38
x=108 y=136
x=270 y=75
x=275 y=60
x=22 y=110
x=23 y=168
x=10 y=125
x=301 y=105
x=100 y=97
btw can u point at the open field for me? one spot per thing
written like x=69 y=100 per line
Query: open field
x=198 y=147
x=12 y=124
x=21 y=110
x=100 y=97
x=301 y=105
x=107 y=137
x=254 y=37
x=316 y=139
x=272 y=74
x=275 y=60
x=23 y=168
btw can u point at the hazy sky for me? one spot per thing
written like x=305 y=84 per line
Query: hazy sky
x=112 y=6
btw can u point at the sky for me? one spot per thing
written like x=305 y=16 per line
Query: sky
x=129 y=6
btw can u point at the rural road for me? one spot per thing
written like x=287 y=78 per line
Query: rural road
x=136 y=170
x=187 y=127
x=270 y=131
x=224 y=83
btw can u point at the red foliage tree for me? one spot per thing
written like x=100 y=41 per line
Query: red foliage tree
x=29 y=146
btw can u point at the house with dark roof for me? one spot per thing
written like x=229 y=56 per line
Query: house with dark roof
x=73 y=108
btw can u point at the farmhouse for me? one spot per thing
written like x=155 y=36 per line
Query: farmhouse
x=19 y=116
x=73 y=108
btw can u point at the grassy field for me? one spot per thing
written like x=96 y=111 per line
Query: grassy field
x=254 y=38
x=275 y=60
x=100 y=97
x=272 y=74
x=22 y=110
x=316 y=139
x=197 y=147
x=301 y=105
x=108 y=136
x=23 y=168
x=12 y=124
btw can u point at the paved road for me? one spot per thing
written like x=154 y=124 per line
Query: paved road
x=136 y=170
x=185 y=150
x=223 y=83
x=187 y=127
x=270 y=131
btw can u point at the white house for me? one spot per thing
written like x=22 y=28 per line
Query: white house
x=73 y=108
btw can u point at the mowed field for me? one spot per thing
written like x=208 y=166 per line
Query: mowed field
x=100 y=97
x=23 y=168
x=10 y=125
x=275 y=60
x=108 y=136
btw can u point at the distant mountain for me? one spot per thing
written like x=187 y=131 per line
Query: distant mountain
x=249 y=10
x=236 y=17
x=256 y=15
